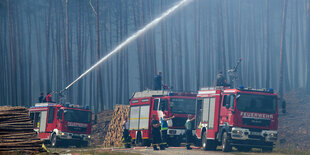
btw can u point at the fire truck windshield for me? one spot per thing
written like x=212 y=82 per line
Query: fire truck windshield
x=257 y=103
x=79 y=116
x=182 y=105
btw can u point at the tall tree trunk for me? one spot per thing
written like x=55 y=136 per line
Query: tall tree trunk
x=197 y=44
x=308 y=45
x=267 y=55
x=99 y=86
x=29 y=62
x=48 y=54
x=12 y=57
x=282 y=50
x=186 y=57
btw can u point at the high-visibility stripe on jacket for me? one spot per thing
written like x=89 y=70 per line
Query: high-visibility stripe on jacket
x=164 y=124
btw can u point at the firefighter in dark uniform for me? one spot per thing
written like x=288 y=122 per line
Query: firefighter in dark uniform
x=164 y=129
x=156 y=133
x=41 y=98
x=189 y=134
x=158 y=82
x=126 y=136
x=221 y=80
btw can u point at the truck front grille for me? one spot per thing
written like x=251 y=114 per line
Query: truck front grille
x=179 y=122
x=256 y=122
x=78 y=129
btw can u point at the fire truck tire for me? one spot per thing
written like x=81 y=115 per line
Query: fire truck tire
x=207 y=144
x=146 y=142
x=54 y=141
x=244 y=148
x=175 y=141
x=267 y=149
x=139 y=140
x=226 y=147
x=81 y=144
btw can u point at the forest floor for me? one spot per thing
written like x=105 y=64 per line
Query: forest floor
x=294 y=125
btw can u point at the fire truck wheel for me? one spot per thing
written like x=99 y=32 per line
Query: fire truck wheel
x=81 y=144
x=244 y=148
x=267 y=149
x=54 y=141
x=139 y=140
x=225 y=143
x=84 y=144
x=207 y=144
x=146 y=142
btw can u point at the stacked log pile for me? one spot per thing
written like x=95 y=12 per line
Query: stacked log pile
x=115 y=131
x=16 y=131
x=100 y=128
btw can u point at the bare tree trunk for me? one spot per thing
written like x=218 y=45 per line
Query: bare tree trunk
x=308 y=45
x=197 y=45
x=47 y=44
x=163 y=34
x=29 y=62
x=100 y=92
x=282 y=51
x=79 y=50
x=186 y=57
x=12 y=57
x=179 y=54
x=267 y=55
x=69 y=96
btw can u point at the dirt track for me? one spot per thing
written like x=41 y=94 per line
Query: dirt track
x=150 y=151
x=174 y=150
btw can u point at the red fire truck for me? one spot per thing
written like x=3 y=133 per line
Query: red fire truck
x=62 y=125
x=147 y=103
x=243 y=118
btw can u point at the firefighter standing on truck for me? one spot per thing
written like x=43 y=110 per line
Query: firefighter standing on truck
x=189 y=134
x=156 y=133
x=164 y=129
x=126 y=136
x=158 y=82
x=221 y=80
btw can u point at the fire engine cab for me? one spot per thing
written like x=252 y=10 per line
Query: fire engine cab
x=61 y=125
x=243 y=118
x=158 y=102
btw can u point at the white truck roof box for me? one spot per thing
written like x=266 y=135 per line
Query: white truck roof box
x=150 y=93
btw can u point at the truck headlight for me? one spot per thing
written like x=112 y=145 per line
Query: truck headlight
x=273 y=135
x=237 y=132
x=62 y=134
x=172 y=132
x=89 y=136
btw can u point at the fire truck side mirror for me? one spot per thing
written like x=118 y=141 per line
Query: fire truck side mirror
x=227 y=106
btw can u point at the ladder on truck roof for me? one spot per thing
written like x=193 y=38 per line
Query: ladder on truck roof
x=150 y=93
x=213 y=88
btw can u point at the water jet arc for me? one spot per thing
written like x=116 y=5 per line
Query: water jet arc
x=132 y=38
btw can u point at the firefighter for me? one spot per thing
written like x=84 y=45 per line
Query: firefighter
x=221 y=80
x=41 y=98
x=158 y=82
x=164 y=129
x=48 y=97
x=156 y=133
x=189 y=134
x=126 y=136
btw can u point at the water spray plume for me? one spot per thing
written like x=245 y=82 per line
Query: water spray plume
x=132 y=38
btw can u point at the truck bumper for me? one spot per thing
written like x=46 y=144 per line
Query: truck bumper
x=243 y=136
x=72 y=136
x=251 y=143
x=175 y=132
